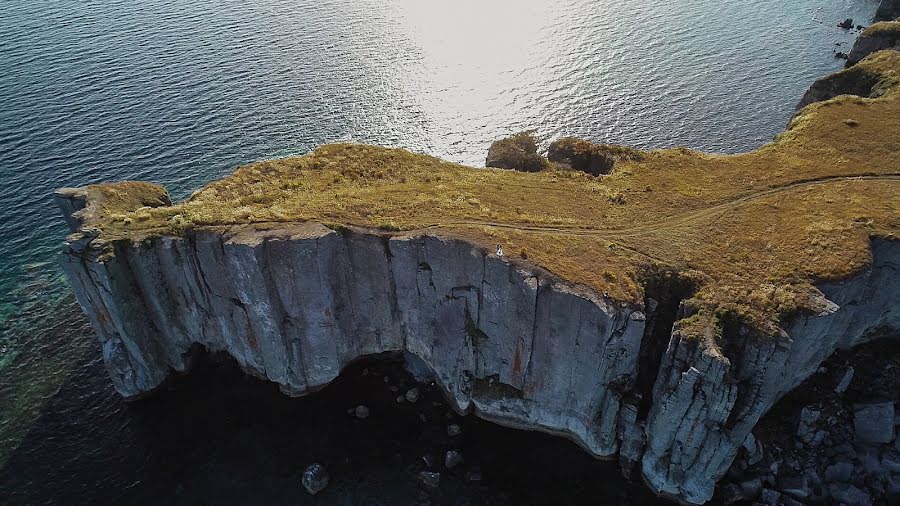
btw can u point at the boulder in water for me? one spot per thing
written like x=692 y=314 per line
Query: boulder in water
x=315 y=478
x=430 y=479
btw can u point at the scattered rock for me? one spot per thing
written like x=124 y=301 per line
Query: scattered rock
x=361 y=412
x=430 y=479
x=474 y=474
x=809 y=415
x=849 y=494
x=732 y=493
x=428 y=460
x=400 y=398
x=839 y=472
x=868 y=456
x=845 y=450
x=874 y=423
x=412 y=395
x=890 y=461
x=790 y=501
x=454 y=430
x=751 y=488
x=813 y=479
x=769 y=497
x=757 y=456
x=846 y=24
x=452 y=459
x=315 y=478
x=806 y=427
x=841 y=55
x=845 y=381
x=894 y=485
x=794 y=486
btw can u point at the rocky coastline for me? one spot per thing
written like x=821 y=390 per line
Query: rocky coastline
x=674 y=391
x=505 y=341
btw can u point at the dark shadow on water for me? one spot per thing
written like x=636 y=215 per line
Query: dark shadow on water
x=219 y=437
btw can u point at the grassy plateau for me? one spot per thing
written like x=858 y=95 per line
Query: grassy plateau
x=754 y=231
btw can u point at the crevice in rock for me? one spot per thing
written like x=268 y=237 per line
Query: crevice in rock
x=664 y=290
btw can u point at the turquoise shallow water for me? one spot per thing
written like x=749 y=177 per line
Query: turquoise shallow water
x=182 y=92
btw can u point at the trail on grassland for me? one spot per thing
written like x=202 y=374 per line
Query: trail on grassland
x=685 y=218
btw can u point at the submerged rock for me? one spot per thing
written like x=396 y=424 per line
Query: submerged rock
x=315 y=478
x=429 y=479
x=452 y=459
x=361 y=412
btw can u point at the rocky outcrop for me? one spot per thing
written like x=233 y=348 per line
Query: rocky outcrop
x=888 y=10
x=865 y=79
x=880 y=36
x=506 y=340
x=516 y=152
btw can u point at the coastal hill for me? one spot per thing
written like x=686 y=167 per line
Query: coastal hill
x=653 y=314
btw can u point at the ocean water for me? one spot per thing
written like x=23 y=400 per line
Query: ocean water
x=182 y=92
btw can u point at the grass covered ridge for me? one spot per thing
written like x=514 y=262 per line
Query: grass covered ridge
x=754 y=230
x=886 y=29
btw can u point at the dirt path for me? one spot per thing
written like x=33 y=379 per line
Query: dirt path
x=667 y=222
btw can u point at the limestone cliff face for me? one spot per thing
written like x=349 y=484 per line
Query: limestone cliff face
x=297 y=304
x=506 y=340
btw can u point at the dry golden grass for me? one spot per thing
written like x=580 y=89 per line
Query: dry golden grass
x=887 y=29
x=755 y=229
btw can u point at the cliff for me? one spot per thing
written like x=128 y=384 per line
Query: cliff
x=869 y=79
x=653 y=314
x=888 y=10
x=879 y=36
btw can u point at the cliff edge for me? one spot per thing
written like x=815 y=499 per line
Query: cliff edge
x=878 y=37
x=653 y=314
